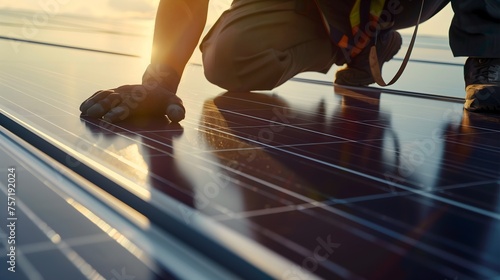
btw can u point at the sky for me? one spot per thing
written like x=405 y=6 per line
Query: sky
x=147 y=8
x=97 y=8
x=100 y=8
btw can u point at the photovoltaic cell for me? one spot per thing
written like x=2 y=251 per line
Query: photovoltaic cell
x=346 y=183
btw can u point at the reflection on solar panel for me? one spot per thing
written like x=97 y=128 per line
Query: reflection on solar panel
x=305 y=181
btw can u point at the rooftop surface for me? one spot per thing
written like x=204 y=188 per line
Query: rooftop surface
x=308 y=180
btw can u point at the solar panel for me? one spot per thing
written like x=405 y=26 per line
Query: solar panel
x=307 y=180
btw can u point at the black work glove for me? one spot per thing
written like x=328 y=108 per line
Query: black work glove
x=155 y=97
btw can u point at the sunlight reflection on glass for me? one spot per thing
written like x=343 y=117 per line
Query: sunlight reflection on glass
x=108 y=229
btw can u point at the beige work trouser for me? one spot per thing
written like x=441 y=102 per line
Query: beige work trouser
x=258 y=45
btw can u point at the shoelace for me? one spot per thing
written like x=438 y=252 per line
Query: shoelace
x=487 y=72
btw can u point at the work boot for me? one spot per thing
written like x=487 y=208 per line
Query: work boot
x=482 y=84
x=357 y=72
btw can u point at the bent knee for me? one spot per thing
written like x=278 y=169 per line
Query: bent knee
x=220 y=62
x=234 y=70
x=221 y=73
x=235 y=63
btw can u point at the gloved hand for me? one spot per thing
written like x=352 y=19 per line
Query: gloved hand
x=155 y=97
x=130 y=101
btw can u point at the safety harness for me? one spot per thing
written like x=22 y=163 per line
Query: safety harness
x=365 y=24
